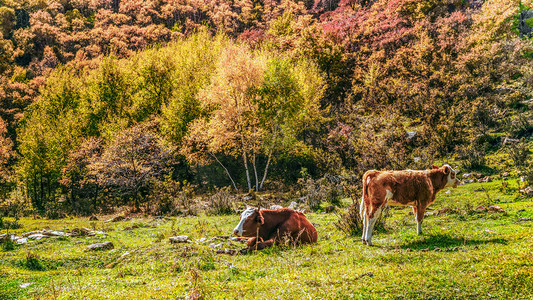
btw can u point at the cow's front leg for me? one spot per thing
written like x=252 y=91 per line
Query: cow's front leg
x=370 y=220
x=364 y=220
x=419 y=216
x=252 y=242
x=264 y=244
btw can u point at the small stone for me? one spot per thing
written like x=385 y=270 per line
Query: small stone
x=22 y=241
x=466 y=181
x=508 y=140
x=178 y=239
x=448 y=192
x=528 y=191
x=85 y=230
x=275 y=206
x=505 y=174
x=227 y=251
x=25 y=234
x=100 y=246
x=467 y=175
x=481 y=208
x=53 y=233
x=116 y=219
x=486 y=179
x=444 y=211
x=293 y=205
x=201 y=240
x=410 y=135
x=37 y=236
x=25 y=285
x=495 y=208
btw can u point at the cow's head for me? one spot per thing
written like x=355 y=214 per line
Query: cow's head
x=450 y=175
x=251 y=220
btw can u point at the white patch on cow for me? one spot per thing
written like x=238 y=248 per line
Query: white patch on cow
x=388 y=195
x=418 y=227
x=245 y=214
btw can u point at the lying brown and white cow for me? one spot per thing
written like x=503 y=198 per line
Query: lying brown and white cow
x=267 y=227
x=414 y=188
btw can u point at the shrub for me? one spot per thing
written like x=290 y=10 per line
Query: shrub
x=7 y=244
x=222 y=202
x=473 y=156
x=328 y=188
x=169 y=197
x=33 y=262
x=17 y=204
x=519 y=153
x=351 y=222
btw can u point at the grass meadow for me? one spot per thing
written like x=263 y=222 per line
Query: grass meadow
x=463 y=254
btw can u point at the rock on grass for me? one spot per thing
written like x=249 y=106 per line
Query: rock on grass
x=178 y=239
x=100 y=246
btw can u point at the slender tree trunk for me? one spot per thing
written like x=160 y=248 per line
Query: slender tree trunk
x=226 y=170
x=266 y=170
x=245 y=158
x=41 y=202
x=255 y=173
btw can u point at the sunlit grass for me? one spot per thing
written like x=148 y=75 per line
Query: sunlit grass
x=463 y=254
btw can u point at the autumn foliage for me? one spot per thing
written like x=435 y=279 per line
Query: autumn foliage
x=103 y=101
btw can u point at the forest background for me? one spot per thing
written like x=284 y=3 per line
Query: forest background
x=153 y=103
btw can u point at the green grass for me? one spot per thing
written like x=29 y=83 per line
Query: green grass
x=463 y=254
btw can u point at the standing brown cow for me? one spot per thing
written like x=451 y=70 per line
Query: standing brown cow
x=414 y=188
x=267 y=227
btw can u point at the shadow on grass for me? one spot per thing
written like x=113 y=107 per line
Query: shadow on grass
x=447 y=241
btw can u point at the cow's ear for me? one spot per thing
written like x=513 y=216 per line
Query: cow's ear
x=434 y=167
x=259 y=218
x=447 y=170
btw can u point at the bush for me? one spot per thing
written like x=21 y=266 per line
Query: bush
x=351 y=223
x=17 y=204
x=519 y=153
x=222 y=202
x=473 y=156
x=314 y=192
x=7 y=244
x=169 y=197
x=33 y=262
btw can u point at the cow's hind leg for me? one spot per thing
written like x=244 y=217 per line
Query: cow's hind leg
x=364 y=219
x=419 y=215
x=372 y=217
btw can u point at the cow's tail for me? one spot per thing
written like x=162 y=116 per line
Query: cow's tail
x=366 y=180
